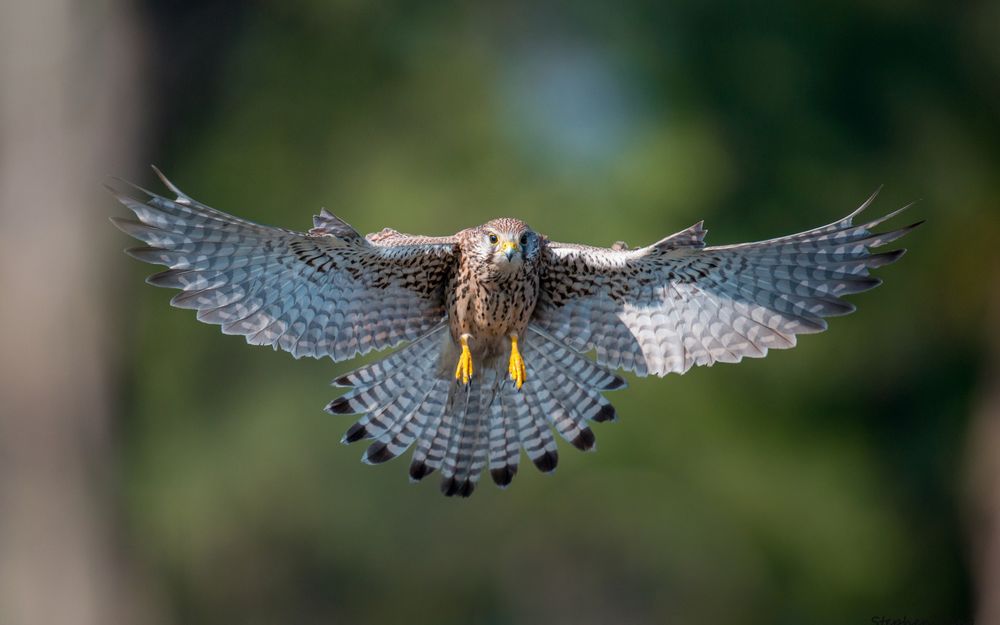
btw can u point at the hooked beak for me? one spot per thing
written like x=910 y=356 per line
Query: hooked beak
x=508 y=248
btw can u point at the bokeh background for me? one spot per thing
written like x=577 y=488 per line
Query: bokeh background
x=155 y=471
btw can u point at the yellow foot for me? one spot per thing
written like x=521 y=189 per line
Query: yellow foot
x=464 y=370
x=518 y=372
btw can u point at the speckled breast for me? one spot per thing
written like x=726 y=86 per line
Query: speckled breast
x=490 y=310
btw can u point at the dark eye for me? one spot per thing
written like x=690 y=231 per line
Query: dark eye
x=524 y=239
x=493 y=239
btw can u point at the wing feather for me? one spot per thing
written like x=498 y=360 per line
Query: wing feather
x=326 y=292
x=676 y=304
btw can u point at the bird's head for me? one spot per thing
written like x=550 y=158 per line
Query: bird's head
x=503 y=246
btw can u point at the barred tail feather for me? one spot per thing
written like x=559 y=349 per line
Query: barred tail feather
x=386 y=392
x=395 y=397
x=467 y=445
x=505 y=446
x=431 y=415
x=536 y=437
x=408 y=399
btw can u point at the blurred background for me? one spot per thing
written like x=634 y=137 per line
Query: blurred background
x=155 y=471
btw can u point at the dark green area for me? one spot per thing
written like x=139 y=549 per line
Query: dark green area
x=820 y=485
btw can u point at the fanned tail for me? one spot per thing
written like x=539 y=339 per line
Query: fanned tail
x=398 y=398
x=466 y=457
x=457 y=429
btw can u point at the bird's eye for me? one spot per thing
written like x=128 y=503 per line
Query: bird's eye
x=493 y=239
x=524 y=239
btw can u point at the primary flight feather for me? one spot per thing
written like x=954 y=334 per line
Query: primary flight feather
x=498 y=317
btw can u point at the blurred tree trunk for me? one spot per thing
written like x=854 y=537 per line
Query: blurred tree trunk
x=68 y=96
x=984 y=455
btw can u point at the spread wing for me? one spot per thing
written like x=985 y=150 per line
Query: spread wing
x=327 y=292
x=676 y=303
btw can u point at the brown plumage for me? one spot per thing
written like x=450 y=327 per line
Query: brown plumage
x=498 y=318
x=491 y=295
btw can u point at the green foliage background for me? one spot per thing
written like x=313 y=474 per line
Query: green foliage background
x=820 y=485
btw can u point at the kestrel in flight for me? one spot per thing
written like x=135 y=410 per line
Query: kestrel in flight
x=498 y=318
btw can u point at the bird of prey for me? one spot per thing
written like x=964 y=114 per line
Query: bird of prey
x=498 y=319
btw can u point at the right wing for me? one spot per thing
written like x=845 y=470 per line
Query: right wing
x=674 y=304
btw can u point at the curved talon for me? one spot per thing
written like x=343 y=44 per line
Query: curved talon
x=517 y=369
x=464 y=370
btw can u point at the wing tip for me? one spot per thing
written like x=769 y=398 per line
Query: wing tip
x=865 y=204
x=123 y=223
x=883 y=259
x=169 y=185
x=836 y=307
x=887 y=217
x=884 y=238
x=163 y=279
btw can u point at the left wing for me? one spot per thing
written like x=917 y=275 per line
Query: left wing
x=327 y=292
x=675 y=304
